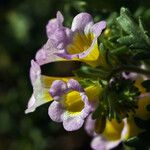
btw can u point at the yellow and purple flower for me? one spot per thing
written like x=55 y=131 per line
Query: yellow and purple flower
x=70 y=105
x=78 y=43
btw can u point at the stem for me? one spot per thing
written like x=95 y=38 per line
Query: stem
x=130 y=69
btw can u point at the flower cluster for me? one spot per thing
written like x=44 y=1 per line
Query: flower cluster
x=89 y=97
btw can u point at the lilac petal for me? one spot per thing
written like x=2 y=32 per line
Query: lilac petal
x=131 y=76
x=64 y=54
x=87 y=107
x=112 y=144
x=88 y=27
x=40 y=94
x=31 y=103
x=54 y=24
x=58 y=88
x=47 y=54
x=61 y=38
x=80 y=21
x=97 y=28
x=35 y=71
x=89 y=125
x=72 y=123
x=60 y=17
x=99 y=143
x=74 y=85
x=55 y=111
x=59 y=35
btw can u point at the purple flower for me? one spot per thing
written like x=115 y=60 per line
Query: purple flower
x=41 y=85
x=78 y=43
x=112 y=136
x=70 y=104
x=40 y=91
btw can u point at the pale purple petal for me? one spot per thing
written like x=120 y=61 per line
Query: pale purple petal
x=47 y=54
x=39 y=98
x=72 y=123
x=80 y=21
x=74 y=85
x=58 y=88
x=40 y=94
x=100 y=143
x=59 y=35
x=35 y=71
x=97 y=28
x=54 y=24
x=31 y=103
x=89 y=126
x=60 y=17
x=55 y=111
x=88 y=27
x=131 y=76
x=112 y=144
x=87 y=107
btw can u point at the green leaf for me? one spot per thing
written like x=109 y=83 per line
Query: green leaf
x=140 y=142
x=136 y=36
x=92 y=73
x=132 y=141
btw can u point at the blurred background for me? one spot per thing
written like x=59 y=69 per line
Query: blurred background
x=22 y=33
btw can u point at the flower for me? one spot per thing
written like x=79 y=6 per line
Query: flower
x=112 y=136
x=70 y=105
x=78 y=43
x=62 y=42
x=41 y=85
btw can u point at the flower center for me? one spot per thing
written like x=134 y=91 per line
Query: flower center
x=80 y=43
x=73 y=102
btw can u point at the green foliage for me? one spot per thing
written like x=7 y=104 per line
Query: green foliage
x=117 y=100
x=136 y=35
